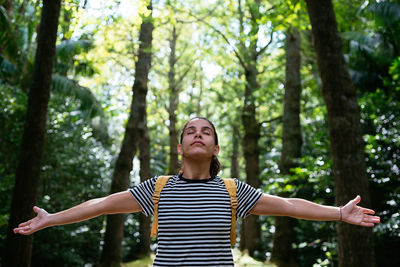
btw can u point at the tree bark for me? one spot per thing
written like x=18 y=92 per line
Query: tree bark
x=250 y=237
x=111 y=254
x=283 y=253
x=18 y=247
x=235 y=151
x=173 y=165
x=347 y=147
x=145 y=173
x=251 y=229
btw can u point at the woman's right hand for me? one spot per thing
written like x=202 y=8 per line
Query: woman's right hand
x=35 y=224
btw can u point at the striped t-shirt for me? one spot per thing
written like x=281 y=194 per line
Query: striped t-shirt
x=194 y=219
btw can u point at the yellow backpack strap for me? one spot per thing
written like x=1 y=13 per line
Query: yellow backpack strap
x=160 y=183
x=231 y=187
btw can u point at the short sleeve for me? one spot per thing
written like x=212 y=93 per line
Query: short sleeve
x=247 y=197
x=143 y=194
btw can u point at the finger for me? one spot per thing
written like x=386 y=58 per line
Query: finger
x=36 y=209
x=371 y=219
x=24 y=223
x=367 y=224
x=357 y=200
x=374 y=219
x=23 y=230
x=368 y=211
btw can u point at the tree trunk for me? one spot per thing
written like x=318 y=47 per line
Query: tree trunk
x=235 y=151
x=145 y=173
x=111 y=254
x=283 y=253
x=173 y=165
x=201 y=88
x=250 y=237
x=251 y=229
x=18 y=247
x=344 y=126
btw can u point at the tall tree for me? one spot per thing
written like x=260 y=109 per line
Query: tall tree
x=176 y=76
x=18 y=248
x=283 y=253
x=145 y=173
x=111 y=254
x=235 y=151
x=250 y=237
x=173 y=87
x=346 y=142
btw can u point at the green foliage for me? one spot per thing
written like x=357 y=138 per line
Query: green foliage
x=12 y=114
x=17 y=44
x=71 y=55
x=394 y=71
x=380 y=117
x=371 y=53
x=76 y=168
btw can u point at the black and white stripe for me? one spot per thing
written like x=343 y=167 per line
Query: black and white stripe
x=194 y=219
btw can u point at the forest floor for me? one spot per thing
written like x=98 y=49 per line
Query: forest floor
x=241 y=260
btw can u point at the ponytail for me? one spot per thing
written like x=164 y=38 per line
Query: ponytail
x=215 y=166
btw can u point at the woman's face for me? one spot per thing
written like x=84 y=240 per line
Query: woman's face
x=198 y=140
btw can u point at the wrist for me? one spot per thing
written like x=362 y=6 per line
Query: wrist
x=51 y=220
x=340 y=214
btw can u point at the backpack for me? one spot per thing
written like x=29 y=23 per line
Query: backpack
x=230 y=186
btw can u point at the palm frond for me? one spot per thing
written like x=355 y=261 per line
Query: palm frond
x=8 y=71
x=66 y=57
x=8 y=45
x=387 y=16
x=70 y=48
x=68 y=87
x=389 y=12
x=88 y=105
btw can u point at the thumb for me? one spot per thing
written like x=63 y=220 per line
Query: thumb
x=38 y=210
x=356 y=200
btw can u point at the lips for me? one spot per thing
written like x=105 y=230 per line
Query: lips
x=197 y=142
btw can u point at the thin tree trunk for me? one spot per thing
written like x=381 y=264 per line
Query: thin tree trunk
x=145 y=173
x=198 y=109
x=283 y=253
x=355 y=243
x=173 y=165
x=111 y=254
x=235 y=151
x=18 y=247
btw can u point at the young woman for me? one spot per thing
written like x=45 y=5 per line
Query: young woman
x=194 y=208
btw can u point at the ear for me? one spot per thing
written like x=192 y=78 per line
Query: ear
x=180 y=151
x=216 y=150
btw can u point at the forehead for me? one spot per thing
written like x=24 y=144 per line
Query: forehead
x=198 y=123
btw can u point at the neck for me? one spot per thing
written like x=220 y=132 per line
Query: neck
x=196 y=169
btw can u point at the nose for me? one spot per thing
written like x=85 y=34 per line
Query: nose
x=198 y=134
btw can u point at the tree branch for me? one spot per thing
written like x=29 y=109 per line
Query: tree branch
x=267 y=45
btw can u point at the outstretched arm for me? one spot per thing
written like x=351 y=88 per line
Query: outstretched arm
x=121 y=202
x=303 y=209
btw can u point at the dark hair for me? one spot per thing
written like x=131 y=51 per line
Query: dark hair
x=215 y=166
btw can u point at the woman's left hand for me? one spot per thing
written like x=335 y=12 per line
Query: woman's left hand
x=353 y=214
